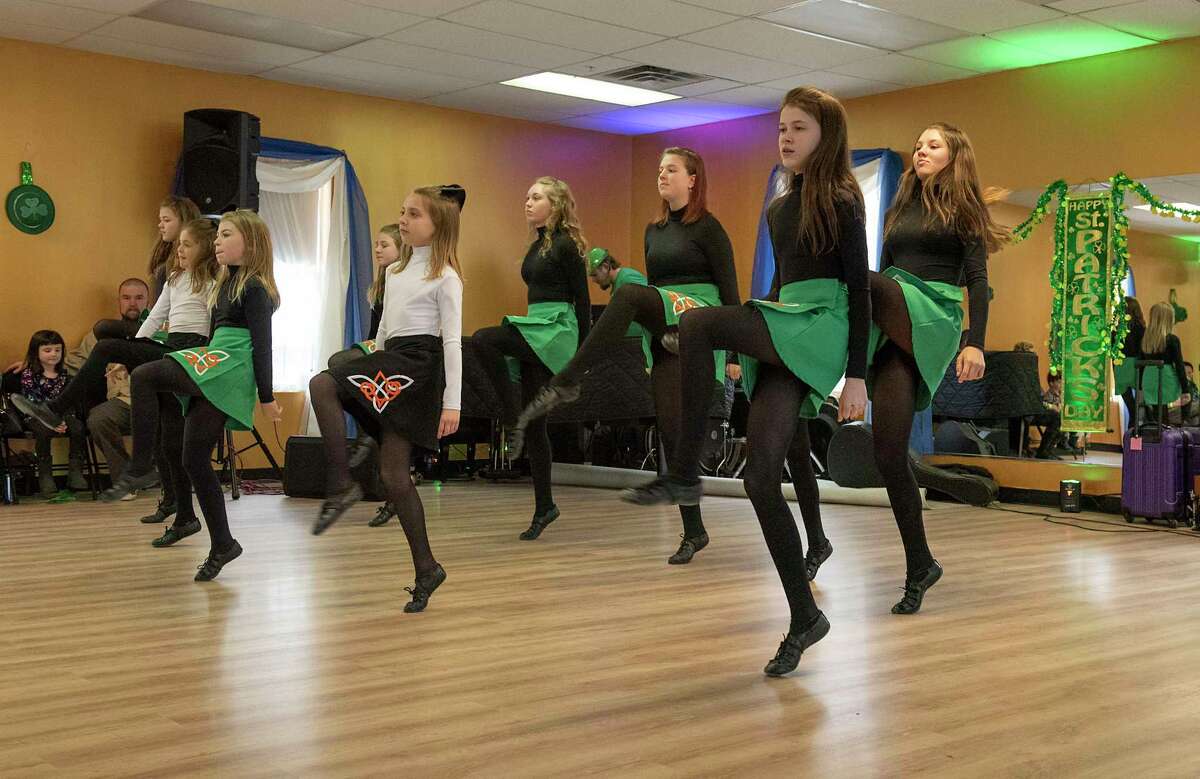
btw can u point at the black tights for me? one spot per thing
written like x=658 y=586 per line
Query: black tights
x=775 y=433
x=395 y=461
x=643 y=305
x=895 y=379
x=151 y=387
x=492 y=345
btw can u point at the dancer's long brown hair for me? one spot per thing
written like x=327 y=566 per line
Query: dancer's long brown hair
x=952 y=195
x=697 y=205
x=828 y=179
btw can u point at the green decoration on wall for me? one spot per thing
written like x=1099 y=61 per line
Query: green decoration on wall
x=1085 y=311
x=28 y=206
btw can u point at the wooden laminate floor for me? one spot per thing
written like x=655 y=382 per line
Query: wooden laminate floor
x=1045 y=651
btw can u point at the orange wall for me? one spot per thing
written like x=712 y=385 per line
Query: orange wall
x=103 y=134
x=1133 y=111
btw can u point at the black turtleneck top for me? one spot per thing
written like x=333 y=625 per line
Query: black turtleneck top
x=558 y=276
x=252 y=311
x=845 y=261
x=932 y=251
x=696 y=253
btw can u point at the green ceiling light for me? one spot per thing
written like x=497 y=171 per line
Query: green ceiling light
x=1068 y=39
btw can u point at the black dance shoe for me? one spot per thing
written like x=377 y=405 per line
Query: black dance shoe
x=215 y=561
x=176 y=533
x=915 y=587
x=670 y=341
x=382 y=516
x=161 y=513
x=547 y=399
x=663 y=491
x=538 y=524
x=423 y=588
x=360 y=450
x=336 y=505
x=794 y=644
x=127 y=483
x=688 y=548
x=814 y=558
x=39 y=411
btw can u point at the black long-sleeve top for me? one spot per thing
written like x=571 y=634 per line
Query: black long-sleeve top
x=559 y=276
x=252 y=311
x=933 y=251
x=1172 y=354
x=845 y=261
x=376 y=315
x=696 y=253
x=1133 y=339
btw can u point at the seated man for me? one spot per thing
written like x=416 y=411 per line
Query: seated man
x=1186 y=414
x=1051 y=418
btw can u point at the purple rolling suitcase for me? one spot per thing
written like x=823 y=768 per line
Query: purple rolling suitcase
x=1156 y=478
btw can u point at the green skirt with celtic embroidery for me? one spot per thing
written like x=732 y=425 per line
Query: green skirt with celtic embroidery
x=224 y=372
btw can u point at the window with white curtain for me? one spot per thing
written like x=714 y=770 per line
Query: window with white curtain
x=300 y=224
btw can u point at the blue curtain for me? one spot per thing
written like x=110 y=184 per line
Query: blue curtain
x=358 y=313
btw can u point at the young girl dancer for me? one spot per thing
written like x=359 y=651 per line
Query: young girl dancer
x=795 y=347
x=937 y=236
x=219 y=383
x=689 y=262
x=544 y=340
x=407 y=393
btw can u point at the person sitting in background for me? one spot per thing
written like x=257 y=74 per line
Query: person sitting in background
x=1187 y=414
x=43 y=375
x=1050 y=420
x=109 y=414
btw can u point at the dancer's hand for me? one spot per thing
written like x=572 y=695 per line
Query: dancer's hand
x=272 y=411
x=970 y=364
x=449 y=423
x=733 y=371
x=853 y=403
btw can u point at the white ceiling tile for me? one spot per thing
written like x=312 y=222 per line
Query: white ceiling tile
x=427 y=8
x=705 y=87
x=763 y=97
x=407 y=55
x=343 y=84
x=983 y=55
x=694 y=58
x=900 y=69
x=46 y=15
x=743 y=7
x=593 y=67
x=1079 y=6
x=440 y=34
x=1191 y=179
x=852 y=21
x=837 y=84
x=334 y=14
x=526 y=21
x=111 y=7
x=758 y=38
x=973 y=15
x=662 y=17
x=230 y=21
x=415 y=83
x=212 y=44
x=512 y=101
x=1159 y=20
x=169 y=55
x=607 y=125
x=36 y=33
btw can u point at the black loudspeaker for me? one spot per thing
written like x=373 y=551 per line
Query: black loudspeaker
x=304 y=470
x=220 y=152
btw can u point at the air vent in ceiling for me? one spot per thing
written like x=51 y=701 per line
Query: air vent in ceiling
x=652 y=77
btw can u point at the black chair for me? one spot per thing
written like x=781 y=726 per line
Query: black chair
x=12 y=428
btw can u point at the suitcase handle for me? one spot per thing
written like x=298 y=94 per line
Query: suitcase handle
x=1140 y=400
